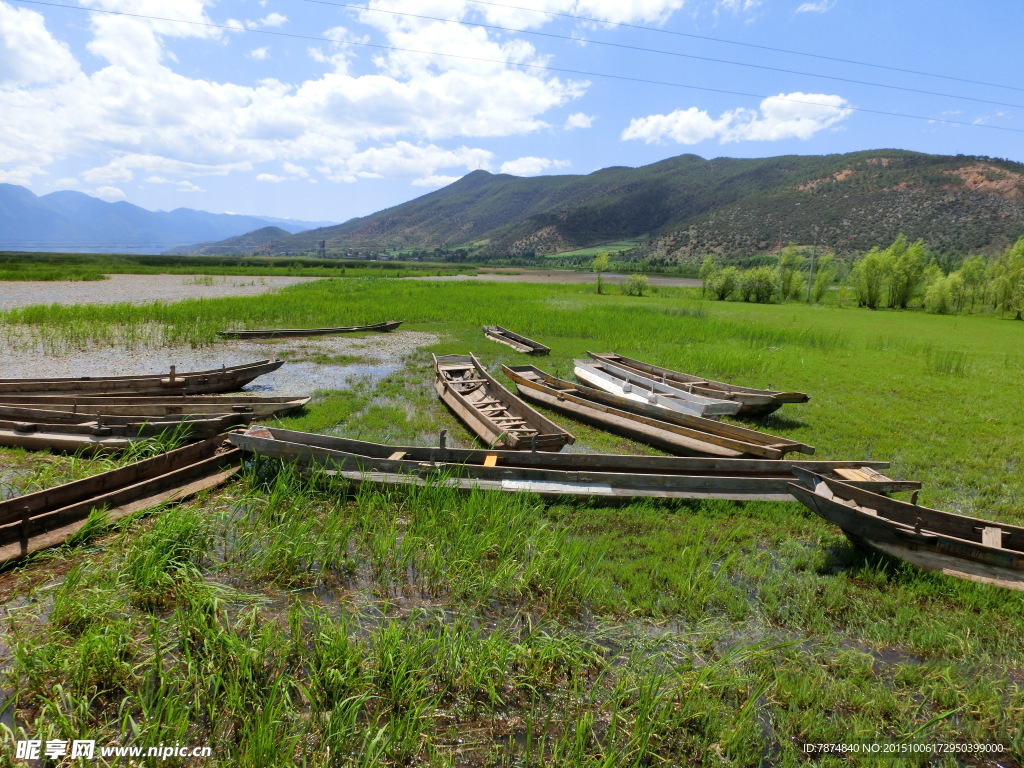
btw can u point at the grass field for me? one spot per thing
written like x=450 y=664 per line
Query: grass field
x=287 y=621
x=616 y=247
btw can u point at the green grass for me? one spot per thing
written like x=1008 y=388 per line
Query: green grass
x=616 y=247
x=291 y=620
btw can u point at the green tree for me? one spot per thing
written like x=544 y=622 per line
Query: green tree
x=636 y=285
x=758 y=284
x=824 y=275
x=868 y=277
x=1008 y=280
x=907 y=271
x=724 y=283
x=600 y=265
x=707 y=271
x=973 y=274
x=790 y=281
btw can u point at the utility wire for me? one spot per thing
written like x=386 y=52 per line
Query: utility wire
x=537 y=67
x=662 y=52
x=744 y=45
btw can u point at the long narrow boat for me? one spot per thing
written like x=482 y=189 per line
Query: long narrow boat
x=275 y=333
x=957 y=545
x=101 y=437
x=753 y=402
x=169 y=405
x=48 y=416
x=517 y=342
x=642 y=389
x=490 y=411
x=47 y=518
x=550 y=474
x=223 y=379
x=673 y=432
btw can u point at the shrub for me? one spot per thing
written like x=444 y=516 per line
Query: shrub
x=636 y=285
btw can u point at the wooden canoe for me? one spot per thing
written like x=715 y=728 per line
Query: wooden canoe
x=753 y=402
x=635 y=386
x=275 y=333
x=223 y=379
x=491 y=412
x=514 y=340
x=101 y=437
x=550 y=474
x=47 y=518
x=169 y=405
x=957 y=545
x=676 y=433
x=48 y=416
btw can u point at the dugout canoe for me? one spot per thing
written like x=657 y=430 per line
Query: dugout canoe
x=753 y=402
x=223 y=379
x=275 y=333
x=47 y=518
x=676 y=433
x=516 y=341
x=957 y=545
x=169 y=405
x=100 y=437
x=51 y=416
x=491 y=412
x=639 y=388
x=549 y=474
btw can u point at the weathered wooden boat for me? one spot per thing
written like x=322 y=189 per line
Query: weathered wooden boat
x=549 y=474
x=957 y=545
x=223 y=379
x=169 y=405
x=490 y=411
x=47 y=518
x=637 y=387
x=98 y=436
x=677 y=433
x=517 y=342
x=276 y=333
x=753 y=402
x=50 y=416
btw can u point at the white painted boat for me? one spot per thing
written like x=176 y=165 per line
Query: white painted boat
x=642 y=389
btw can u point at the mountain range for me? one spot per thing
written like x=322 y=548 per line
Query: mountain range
x=685 y=207
x=76 y=222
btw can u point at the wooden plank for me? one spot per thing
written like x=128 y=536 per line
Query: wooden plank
x=491 y=460
x=397 y=455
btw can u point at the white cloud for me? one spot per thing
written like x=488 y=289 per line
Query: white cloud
x=524 y=13
x=22 y=174
x=273 y=20
x=110 y=194
x=786 y=116
x=188 y=186
x=435 y=181
x=28 y=52
x=822 y=6
x=531 y=166
x=270 y=177
x=259 y=54
x=295 y=170
x=578 y=120
x=404 y=159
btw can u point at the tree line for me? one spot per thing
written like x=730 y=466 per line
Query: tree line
x=902 y=276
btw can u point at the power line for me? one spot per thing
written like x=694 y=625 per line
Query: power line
x=538 y=67
x=744 y=45
x=662 y=52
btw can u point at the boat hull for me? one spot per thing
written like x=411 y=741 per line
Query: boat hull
x=276 y=333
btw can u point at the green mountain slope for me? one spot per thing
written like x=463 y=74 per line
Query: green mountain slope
x=685 y=207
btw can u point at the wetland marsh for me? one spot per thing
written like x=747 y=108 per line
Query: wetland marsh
x=283 y=620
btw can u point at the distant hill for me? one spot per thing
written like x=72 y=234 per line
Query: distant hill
x=685 y=207
x=250 y=242
x=75 y=222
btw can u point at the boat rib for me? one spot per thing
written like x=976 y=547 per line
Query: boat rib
x=491 y=412
x=957 y=545
x=273 y=333
x=47 y=518
x=549 y=474
x=642 y=389
x=677 y=433
x=516 y=341
x=753 y=402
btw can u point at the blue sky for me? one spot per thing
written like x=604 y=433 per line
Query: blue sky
x=323 y=110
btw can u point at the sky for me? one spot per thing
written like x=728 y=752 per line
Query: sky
x=321 y=110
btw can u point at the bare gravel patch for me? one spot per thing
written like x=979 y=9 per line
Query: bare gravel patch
x=138 y=289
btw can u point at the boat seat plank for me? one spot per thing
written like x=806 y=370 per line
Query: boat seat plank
x=491 y=460
x=992 y=536
x=396 y=456
x=852 y=473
